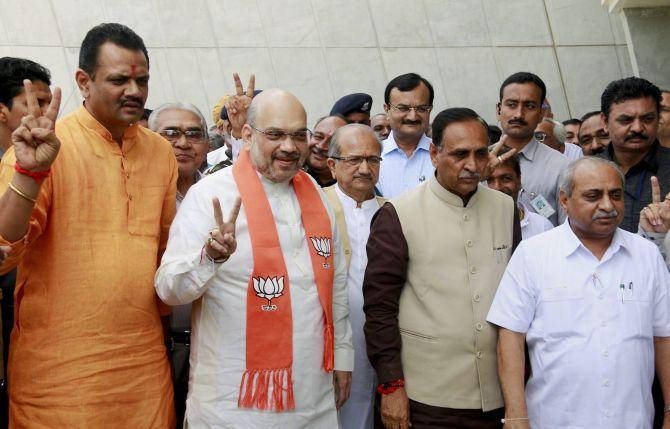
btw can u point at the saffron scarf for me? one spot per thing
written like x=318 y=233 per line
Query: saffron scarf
x=267 y=382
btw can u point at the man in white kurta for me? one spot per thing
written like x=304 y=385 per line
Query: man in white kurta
x=354 y=161
x=219 y=293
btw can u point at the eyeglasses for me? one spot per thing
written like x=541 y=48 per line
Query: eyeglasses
x=300 y=136
x=355 y=161
x=403 y=108
x=540 y=136
x=192 y=136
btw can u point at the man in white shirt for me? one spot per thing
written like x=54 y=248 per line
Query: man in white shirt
x=354 y=159
x=591 y=300
x=262 y=351
x=506 y=178
x=408 y=101
x=184 y=126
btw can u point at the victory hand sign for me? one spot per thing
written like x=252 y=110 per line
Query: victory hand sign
x=238 y=104
x=221 y=242
x=35 y=141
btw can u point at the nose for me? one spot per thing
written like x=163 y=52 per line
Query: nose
x=288 y=144
x=181 y=142
x=132 y=89
x=364 y=167
x=470 y=164
x=636 y=125
x=606 y=203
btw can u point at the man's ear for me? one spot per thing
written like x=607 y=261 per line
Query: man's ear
x=331 y=166
x=604 y=119
x=563 y=200
x=4 y=113
x=83 y=82
x=433 y=151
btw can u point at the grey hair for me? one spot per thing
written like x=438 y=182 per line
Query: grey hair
x=567 y=178
x=153 y=118
x=560 y=133
x=334 y=150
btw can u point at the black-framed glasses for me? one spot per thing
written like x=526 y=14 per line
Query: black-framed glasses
x=355 y=161
x=192 y=136
x=278 y=134
x=403 y=108
x=540 y=136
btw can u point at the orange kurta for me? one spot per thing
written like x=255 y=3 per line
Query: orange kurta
x=87 y=347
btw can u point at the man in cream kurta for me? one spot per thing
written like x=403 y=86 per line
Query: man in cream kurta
x=435 y=256
x=354 y=160
x=219 y=290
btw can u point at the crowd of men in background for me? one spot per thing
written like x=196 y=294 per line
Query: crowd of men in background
x=375 y=270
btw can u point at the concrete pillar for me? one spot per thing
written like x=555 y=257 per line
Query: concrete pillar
x=646 y=25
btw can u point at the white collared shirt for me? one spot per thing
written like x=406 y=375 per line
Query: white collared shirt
x=357 y=412
x=398 y=173
x=533 y=224
x=573 y=152
x=219 y=296
x=589 y=326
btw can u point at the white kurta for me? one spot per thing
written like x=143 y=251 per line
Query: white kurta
x=219 y=294
x=358 y=411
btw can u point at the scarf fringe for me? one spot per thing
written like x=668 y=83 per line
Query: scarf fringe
x=328 y=349
x=255 y=390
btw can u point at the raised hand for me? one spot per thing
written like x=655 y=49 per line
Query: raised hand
x=238 y=104
x=656 y=216
x=35 y=143
x=494 y=159
x=221 y=242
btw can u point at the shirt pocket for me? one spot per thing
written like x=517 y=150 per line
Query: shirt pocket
x=145 y=210
x=637 y=312
x=560 y=308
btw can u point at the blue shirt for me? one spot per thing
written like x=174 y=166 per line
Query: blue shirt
x=399 y=173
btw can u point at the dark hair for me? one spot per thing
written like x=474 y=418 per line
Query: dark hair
x=407 y=82
x=451 y=116
x=512 y=161
x=146 y=114
x=525 y=77
x=572 y=121
x=630 y=88
x=589 y=115
x=494 y=134
x=12 y=73
x=117 y=34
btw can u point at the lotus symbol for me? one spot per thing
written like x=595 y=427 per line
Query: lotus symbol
x=271 y=287
x=322 y=246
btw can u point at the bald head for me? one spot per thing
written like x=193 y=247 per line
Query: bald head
x=277 y=103
x=352 y=134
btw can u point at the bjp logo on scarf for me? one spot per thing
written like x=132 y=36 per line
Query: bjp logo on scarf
x=322 y=246
x=269 y=288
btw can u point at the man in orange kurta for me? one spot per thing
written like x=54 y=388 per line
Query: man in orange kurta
x=87 y=346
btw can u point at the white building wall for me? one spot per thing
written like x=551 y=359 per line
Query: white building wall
x=323 y=49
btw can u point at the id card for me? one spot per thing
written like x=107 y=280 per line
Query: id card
x=542 y=206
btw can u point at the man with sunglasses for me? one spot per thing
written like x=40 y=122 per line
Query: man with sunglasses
x=271 y=340
x=408 y=101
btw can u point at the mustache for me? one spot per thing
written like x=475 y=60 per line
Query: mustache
x=518 y=122
x=130 y=100
x=410 y=122
x=601 y=214
x=636 y=135
x=468 y=175
x=293 y=156
x=363 y=176
x=321 y=152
